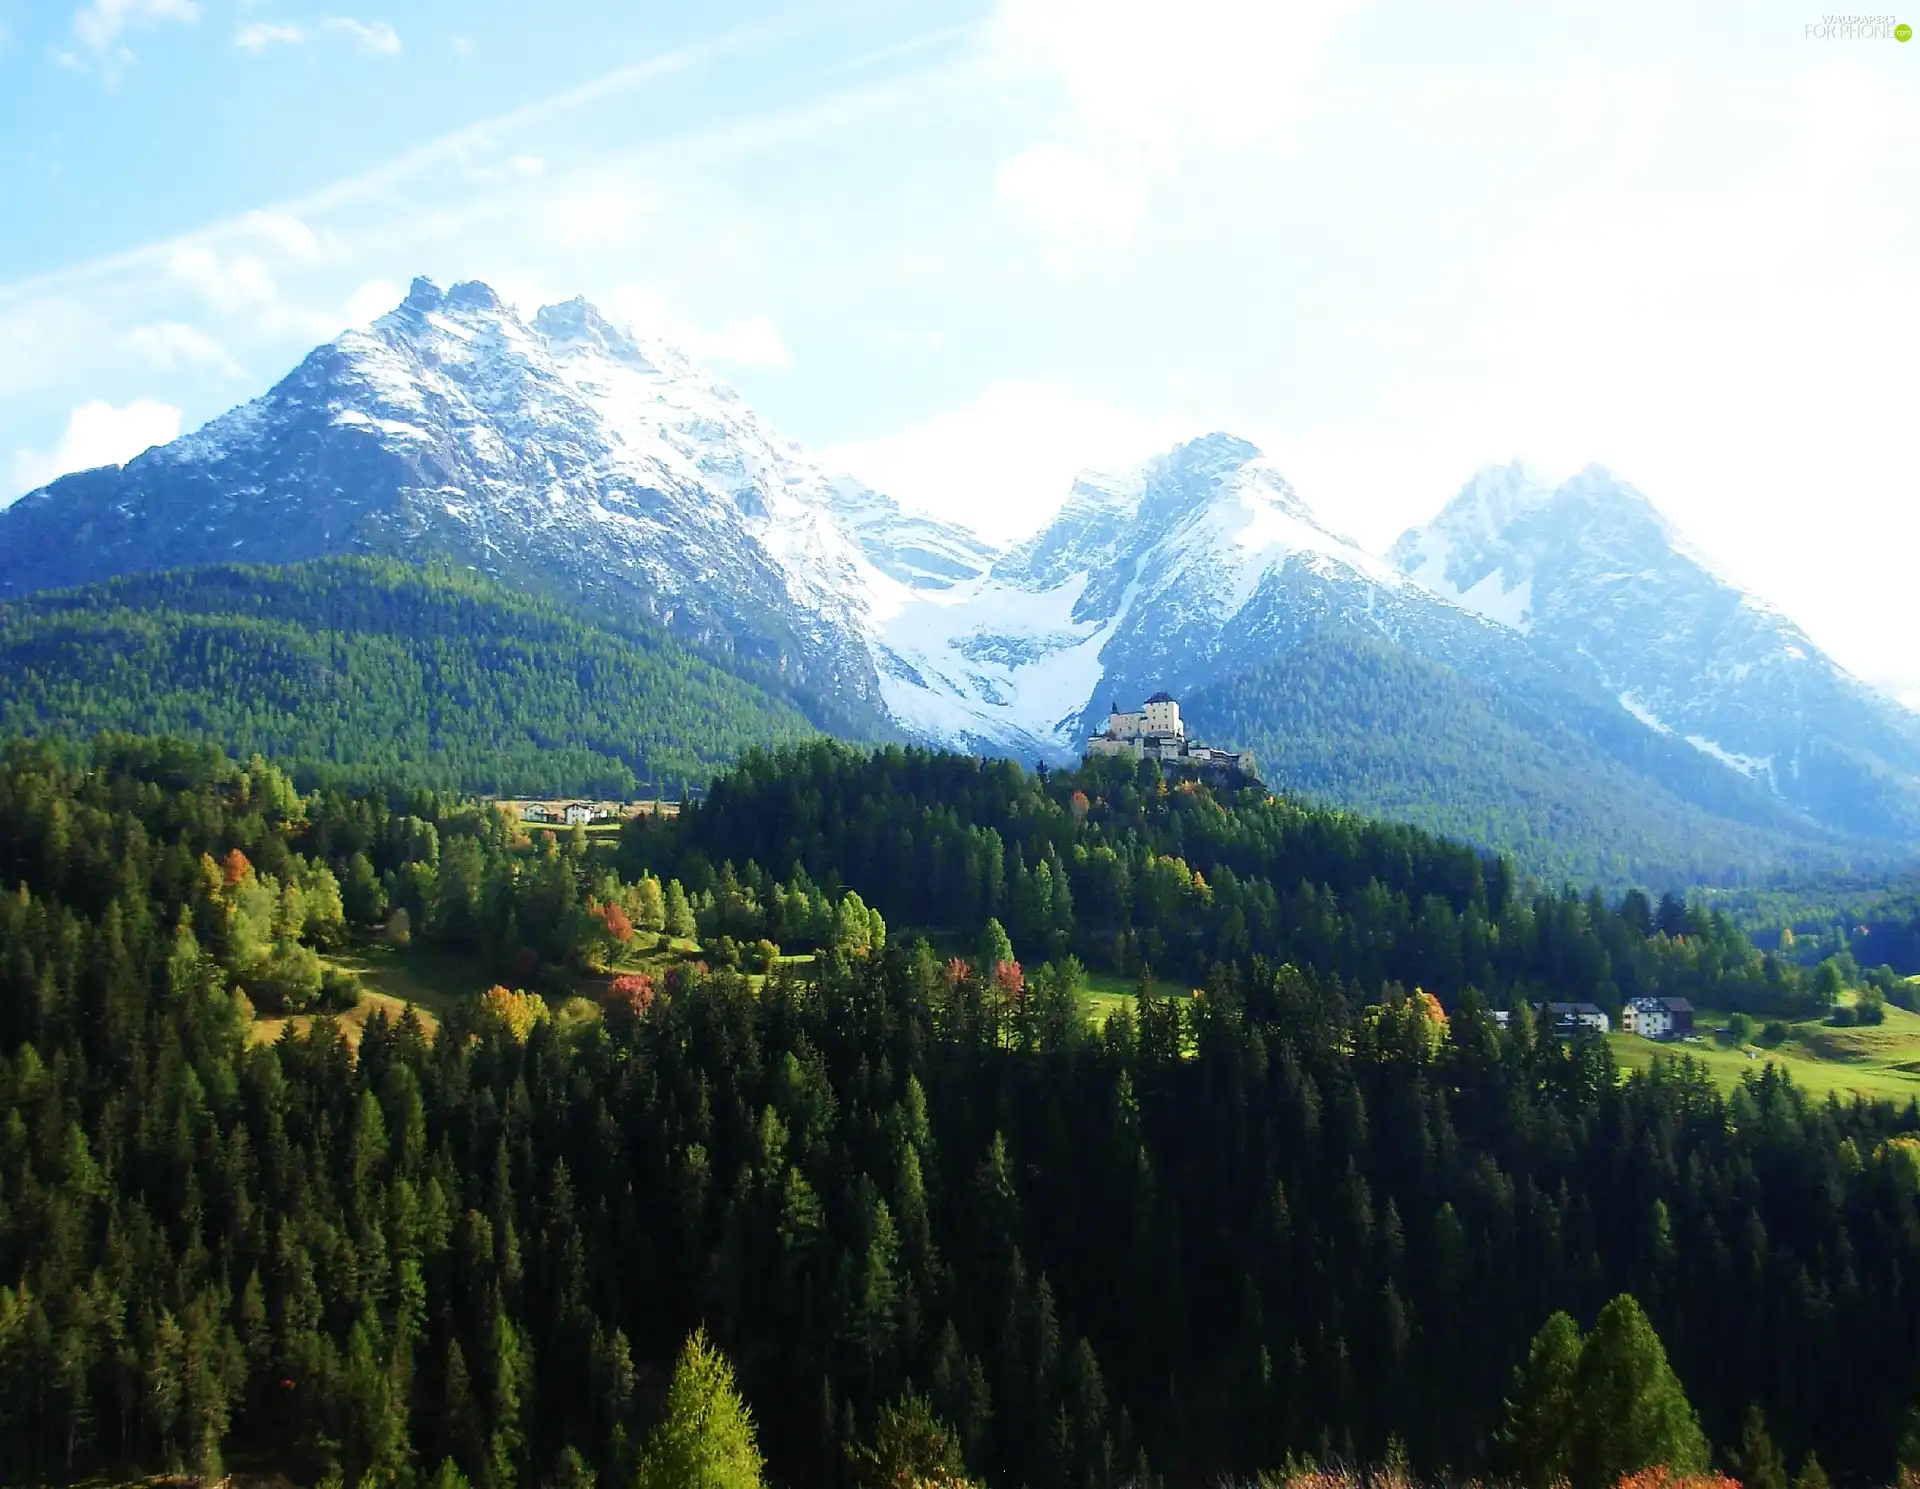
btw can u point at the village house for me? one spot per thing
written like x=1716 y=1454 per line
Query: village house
x=1570 y=1018
x=1658 y=1018
x=1155 y=732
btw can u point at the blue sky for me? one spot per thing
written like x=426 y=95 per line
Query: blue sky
x=966 y=249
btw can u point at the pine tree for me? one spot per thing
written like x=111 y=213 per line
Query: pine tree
x=995 y=949
x=911 y=1449
x=1538 y=1436
x=1757 y=1463
x=680 y=922
x=1632 y=1412
x=707 y=1440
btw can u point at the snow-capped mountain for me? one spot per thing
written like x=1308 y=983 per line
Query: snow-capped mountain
x=1201 y=562
x=1593 y=574
x=562 y=454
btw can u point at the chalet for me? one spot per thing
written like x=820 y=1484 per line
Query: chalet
x=1658 y=1018
x=1155 y=732
x=1570 y=1018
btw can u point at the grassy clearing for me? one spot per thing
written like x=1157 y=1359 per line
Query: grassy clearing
x=1106 y=993
x=1880 y=1061
x=391 y=981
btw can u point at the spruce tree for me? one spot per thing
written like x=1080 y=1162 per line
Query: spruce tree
x=1538 y=1436
x=707 y=1440
x=1632 y=1412
x=911 y=1449
x=1757 y=1463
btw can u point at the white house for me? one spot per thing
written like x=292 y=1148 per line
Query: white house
x=1657 y=1018
x=578 y=814
x=1570 y=1018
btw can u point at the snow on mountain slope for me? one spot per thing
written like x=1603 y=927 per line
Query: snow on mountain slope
x=562 y=453
x=1596 y=576
x=1201 y=560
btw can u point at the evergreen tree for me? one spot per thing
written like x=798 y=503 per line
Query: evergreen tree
x=1756 y=1462
x=1630 y=1410
x=1538 y=1438
x=707 y=1439
x=679 y=913
x=911 y=1449
x=1811 y=1475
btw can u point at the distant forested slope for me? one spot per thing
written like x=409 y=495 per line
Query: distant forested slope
x=1364 y=725
x=381 y=671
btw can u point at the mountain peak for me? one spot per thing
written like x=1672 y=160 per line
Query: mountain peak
x=579 y=322
x=471 y=294
x=1212 y=451
x=423 y=295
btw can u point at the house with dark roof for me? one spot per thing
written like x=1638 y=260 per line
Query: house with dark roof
x=1570 y=1018
x=1658 y=1018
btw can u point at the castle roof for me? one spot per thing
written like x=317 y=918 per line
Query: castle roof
x=1161 y=698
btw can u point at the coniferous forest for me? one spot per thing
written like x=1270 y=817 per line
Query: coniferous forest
x=904 y=1212
x=373 y=670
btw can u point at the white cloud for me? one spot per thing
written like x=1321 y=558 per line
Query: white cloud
x=230 y=282
x=168 y=345
x=240 y=273
x=1003 y=464
x=373 y=300
x=99 y=25
x=376 y=38
x=1739 y=347
x=257 y=36
x=753 y=341
x=1146 y=81
x=1071 y=192
x=98 y=434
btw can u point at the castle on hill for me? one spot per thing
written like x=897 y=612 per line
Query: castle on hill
x=1155 y=732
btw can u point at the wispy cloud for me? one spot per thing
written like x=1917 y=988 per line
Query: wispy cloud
x=97 y=434
x=1144 y=82
x=457 y=145
x=257 y=36
x=168 y=345
x=753 y=341
x=375 y=38
x=100 y=26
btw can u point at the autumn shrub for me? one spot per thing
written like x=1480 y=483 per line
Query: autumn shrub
x=633 y=990
x=513 y=1011
x=1659 y=1477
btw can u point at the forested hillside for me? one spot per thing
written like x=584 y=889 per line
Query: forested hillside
x=1873 y=918
x=1364 y=725
x=1129 y=871
x=374 y=670
x=1306 y=1213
